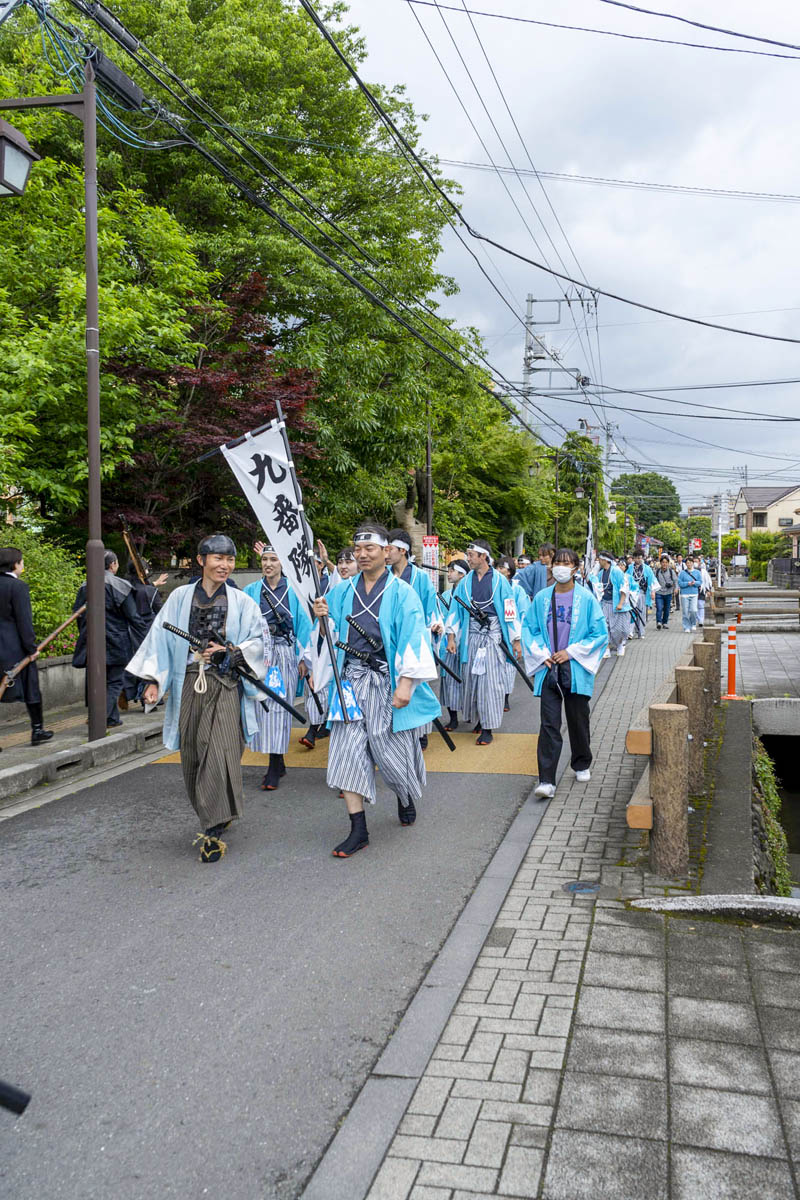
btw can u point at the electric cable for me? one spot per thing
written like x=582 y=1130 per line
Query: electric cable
x=749 y=37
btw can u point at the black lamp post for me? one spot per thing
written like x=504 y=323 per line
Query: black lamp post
x=16 y=159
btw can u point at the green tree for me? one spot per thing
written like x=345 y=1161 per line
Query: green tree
x=699 y=527
x=53 y=576
x=656 y=496
x=763 y=547
x=670 y=533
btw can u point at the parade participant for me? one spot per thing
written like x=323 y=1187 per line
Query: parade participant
x=643 y=583
x=389 y=693
x=344 y=569
x=538 y=575
x=18 y=640
x=523 y=560
x=450 y=691
x=507 y=567
x=666 y=583
x=689 y=583
x=612 y=588
x=565 y=637
x=482 y=616
x=147 y=599
x=206 y=718
x=289 y=628
x=397 y=556
x=125 y=629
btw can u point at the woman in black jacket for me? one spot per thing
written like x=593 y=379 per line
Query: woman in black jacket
x=17 y=640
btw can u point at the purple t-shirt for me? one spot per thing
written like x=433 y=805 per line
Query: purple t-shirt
x=563 y=607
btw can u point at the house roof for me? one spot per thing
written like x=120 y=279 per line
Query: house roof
x=763 y=497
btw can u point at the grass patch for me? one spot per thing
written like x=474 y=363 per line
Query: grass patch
x=765 y=785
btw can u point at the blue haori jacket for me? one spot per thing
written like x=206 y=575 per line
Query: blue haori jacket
x=649 y=582
x=300 y=619
x=505 y=606
x=588 y=639
x=406 y=641
x=163 y=656
x=620 y=582
x=422 y=584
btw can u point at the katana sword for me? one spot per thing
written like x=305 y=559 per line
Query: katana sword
x=243 y=674
x=365 y=656
x=483 y=621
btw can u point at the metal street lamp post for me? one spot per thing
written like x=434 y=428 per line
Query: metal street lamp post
x=82 y=105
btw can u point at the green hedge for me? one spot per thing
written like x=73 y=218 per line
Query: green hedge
x=53 y=576
x=767 y=789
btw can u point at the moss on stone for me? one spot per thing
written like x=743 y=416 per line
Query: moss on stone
x=766 y=798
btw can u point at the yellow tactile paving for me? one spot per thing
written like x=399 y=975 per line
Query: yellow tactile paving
x=509 y=754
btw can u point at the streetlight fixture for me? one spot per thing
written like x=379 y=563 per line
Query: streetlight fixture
x=14 y=146
x=16 y=159
x=579 y=492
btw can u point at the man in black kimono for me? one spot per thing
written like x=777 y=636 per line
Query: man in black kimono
x=17 y=641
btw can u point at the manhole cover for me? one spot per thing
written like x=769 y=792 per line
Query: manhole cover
x=581 y=886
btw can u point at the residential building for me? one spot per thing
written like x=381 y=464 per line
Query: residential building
x=767 y=510
x=724 y=505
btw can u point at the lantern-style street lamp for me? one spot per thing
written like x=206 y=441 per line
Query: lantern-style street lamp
x=16 y=159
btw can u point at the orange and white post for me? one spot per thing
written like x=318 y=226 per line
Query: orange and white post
x=731 y=693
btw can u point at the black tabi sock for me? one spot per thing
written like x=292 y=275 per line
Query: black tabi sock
x=407 y=813
x=485 y=738
x=357 y=839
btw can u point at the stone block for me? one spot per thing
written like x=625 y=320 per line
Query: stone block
x=417 y=1125
x=786 y=1072
x=455 y=1175
x=618 y=1052
x=778 y=988
x=484 y=1047
x=511 y=1066
x=394 y=1180
x=521 y=1172
x=773 y=950
x=621 y=1008
x=715 y=1020
x=457 y=1118
x=711 y=981
x=736 y=1121
x=711 y=1175
x=21 y=778
x=429 y=1149
x=586 y=1166
x=430 y=1096
x=624 y=970
x=541 y=1087
x=487 y=1144
x=613 y=1104
x=780 y=1026
x=734 y=1068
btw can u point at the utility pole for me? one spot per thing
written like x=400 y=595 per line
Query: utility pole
x=625 y=529
x=556 y=519
x=428 y=471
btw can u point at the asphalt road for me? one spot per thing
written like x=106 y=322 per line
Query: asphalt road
x=192 y=1030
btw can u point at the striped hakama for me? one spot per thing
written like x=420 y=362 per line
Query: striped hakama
x=640 y=604
x=358 y=747
x=211 y=746
x=275 y=724
x=619 y=624
x=450 y=691
x=484 y=694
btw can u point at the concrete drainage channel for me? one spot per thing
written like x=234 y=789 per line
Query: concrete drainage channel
x=777 y=723
x=28 y=784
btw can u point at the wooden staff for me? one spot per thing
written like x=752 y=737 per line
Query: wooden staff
x=11 y=675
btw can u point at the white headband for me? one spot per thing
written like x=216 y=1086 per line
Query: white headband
x=481 y=550
x=369 y=537
x=401 y=545
x=456 y=567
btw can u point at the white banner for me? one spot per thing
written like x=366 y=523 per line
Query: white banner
x=589 y=554
x=430 y=550
x=261 y=465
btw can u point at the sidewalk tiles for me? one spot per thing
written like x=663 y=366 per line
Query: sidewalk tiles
x=600 y=1052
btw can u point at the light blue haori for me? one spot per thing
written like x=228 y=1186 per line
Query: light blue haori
x=163 y=656
x=588 y=639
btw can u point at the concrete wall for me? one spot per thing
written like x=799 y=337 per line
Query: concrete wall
x=777 y=715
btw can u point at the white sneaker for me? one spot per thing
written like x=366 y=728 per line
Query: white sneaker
x=693 y=629
x=607 y=654
x=621 y=652
x=583 y=776
x=545 y=790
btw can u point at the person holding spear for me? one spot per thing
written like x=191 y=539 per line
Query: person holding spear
x=18 y=641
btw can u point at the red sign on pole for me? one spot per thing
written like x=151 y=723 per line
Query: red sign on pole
x=697 y=544
x=430 y=550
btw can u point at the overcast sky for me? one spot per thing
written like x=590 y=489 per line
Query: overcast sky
x=593 y=105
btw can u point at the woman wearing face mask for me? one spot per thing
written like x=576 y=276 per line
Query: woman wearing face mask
x=564 y=637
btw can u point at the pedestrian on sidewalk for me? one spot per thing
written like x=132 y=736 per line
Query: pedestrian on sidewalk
x=565 y=637
x=706 y=589
x=210 y=713
x=612 y=589
x=689 y=581
x=287 y=635
x=125 y=629
x=18 y=640
x=482 y=618
x=666 y=584
x=386 y=689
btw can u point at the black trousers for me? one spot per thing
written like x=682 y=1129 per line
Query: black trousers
x=550 y=740
x=115 y=679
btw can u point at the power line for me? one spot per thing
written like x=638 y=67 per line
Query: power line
x=402 y=140
x=630 y=37
x=749 y=37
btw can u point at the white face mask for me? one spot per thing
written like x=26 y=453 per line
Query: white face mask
x=562 y=574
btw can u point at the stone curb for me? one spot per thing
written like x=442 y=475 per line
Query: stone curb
x=64 y=764
x=348 y=1167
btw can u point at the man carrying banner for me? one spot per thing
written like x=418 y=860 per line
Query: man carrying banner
x=482 y=617
x=384 y=655
x=206 y=717
x=289 y=628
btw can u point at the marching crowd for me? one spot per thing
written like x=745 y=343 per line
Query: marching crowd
x=230 y=664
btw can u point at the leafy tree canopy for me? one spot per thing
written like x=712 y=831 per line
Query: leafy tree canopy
x=655 y=496
x=670 y=533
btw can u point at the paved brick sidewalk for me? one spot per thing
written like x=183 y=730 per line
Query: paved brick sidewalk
x=552 y=1076
x=768 y=663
